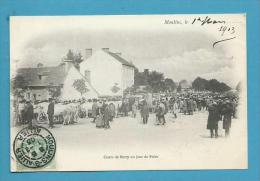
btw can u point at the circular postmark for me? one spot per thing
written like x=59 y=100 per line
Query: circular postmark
x=34 y=147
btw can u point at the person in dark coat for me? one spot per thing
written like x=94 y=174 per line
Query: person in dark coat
x=145 y=112
x=94 y=110
x=190 y=106
x=29 y=113
x=50 y=112
x=213 y=119
x=227 y=115
x=100 y=116
x=125 y=107
x=107 y=115
x=112 y=111
x=185 y=106
x=160 y=112
x=199 y=104
x=22 y=113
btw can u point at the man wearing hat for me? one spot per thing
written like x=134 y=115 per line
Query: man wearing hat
x=213 y=119
x=29 y=113
x=227 y=112
x=50 y=112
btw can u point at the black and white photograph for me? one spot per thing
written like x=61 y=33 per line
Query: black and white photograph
x=128 y=92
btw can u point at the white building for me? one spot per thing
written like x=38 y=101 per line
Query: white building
x=108 y=72
x=40 y=79
x=68 y=90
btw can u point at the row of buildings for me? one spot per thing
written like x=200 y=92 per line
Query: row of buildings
x=104 y=73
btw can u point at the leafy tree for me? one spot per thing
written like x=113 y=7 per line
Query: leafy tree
x=131 y=90
x=156 y=81
x=170 y=84
x=70 y=55
x=213 y=85
x=54 y=91
x=19 y=82
x=78 y=58
x=18 y=86
x=199 y=84
x=140 y=78
x=75 y=57
x=223 y=87
x=80 y=86
x=216 y=86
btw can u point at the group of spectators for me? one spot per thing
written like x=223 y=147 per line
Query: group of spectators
x=220 y=108
x=26 y=113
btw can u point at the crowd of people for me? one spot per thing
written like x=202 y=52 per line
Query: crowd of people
x=26 y=113
x=219 y=107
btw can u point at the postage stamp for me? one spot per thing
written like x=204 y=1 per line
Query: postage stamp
x=34 y=147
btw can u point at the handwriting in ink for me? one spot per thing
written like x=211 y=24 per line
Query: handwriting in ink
x=207 y=20
x=222 y=41
x=227 y=29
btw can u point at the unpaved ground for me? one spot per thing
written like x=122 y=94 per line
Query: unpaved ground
x=183 y=143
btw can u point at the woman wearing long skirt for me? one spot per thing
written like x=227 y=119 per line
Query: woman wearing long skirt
x=107 y=117
x=99 y=118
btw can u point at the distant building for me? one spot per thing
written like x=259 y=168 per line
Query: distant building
x=108 y=72
x=40 y=79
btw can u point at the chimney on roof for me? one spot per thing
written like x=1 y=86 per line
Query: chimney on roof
x=87 y=76
x=39 y=65
x=105 y=49
x=118 y=53
x=88 y=52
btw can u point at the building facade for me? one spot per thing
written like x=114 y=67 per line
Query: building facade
x=40 y=80
x=108 y=72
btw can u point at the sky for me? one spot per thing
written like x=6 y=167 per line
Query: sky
x=178 y=51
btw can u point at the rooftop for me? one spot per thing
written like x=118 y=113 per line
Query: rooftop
x=43 y=76
x=120 y=59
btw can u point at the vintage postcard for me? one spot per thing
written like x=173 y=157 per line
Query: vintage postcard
x=128 y=92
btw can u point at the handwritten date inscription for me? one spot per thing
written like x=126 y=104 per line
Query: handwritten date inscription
x=207 y=20
x=224 y=29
